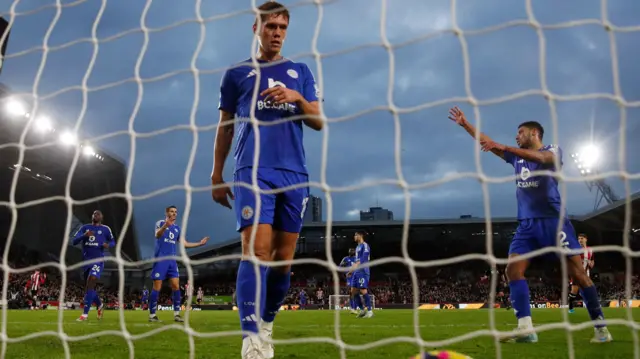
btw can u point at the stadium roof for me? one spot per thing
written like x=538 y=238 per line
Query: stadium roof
x=610 y=217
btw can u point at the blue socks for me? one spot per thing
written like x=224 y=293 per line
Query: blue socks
x=277 y=287
x=153 y=302
x=352 y=303
x=88 y=300
x=367 y=301
x=357 y=300
x=246 y=284
x=175 y=299
x=520 y=298
x=590 y=297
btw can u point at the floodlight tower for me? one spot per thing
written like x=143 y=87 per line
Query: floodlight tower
x=587 y=160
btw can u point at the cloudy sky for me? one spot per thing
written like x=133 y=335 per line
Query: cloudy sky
x=139 y=87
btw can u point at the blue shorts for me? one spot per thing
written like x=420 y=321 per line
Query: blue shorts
x=284 y=211
x=93 y=270
x=165 y=270
x=303 y=301
x=534 y=234
x=350 y=281
x=360 y=280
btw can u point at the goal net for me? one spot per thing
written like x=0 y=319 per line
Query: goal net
x=112 y=105
x=342 y=302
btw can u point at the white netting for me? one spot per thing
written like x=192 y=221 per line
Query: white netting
x=617 y=96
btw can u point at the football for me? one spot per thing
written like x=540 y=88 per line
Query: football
x=441 y=354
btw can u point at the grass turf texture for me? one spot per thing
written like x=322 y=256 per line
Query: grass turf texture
x=434 y=325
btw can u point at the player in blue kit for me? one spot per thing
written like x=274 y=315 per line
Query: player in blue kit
x=95 y=238
x=347 y=262
x=539 y=220
x=286 y=99
x=360 y=276
x=167 y=234
x=145 y=296
x=302 y=299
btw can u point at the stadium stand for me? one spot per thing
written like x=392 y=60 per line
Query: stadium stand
x=436 y=239
x=41 y=217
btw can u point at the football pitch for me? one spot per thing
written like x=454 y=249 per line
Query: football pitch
x=163 y=340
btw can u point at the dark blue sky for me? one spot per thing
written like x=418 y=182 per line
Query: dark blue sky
x=428 y=76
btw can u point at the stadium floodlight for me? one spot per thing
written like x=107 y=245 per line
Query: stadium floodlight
x=16 y=108
x=43 y=124
x=587 y=159
x=88 y=150
x=68 y=138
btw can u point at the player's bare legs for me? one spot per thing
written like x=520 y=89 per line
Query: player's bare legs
x=153 y=300
x=592 y=302
x=175 y=298
x=519 y=288
x=278 y=283
x=247 y=283
x=91 y=297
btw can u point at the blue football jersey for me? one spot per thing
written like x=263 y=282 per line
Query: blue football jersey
x=538 y=196
x=347 y=262
x=280 y=145
x=93 y=246
x=363 y=255
x=166 y=245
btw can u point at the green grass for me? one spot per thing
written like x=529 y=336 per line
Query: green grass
x=161 y=341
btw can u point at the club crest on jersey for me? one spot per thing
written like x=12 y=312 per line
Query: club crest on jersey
x=247 y=212
x=292 y=73
x=99 y=232
x=523 y=179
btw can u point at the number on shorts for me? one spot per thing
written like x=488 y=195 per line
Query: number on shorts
x=96 y=268
x=304 y=206
x=361 y=281
x=563 y=239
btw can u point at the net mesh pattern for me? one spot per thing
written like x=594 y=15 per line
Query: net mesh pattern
x=462 y=35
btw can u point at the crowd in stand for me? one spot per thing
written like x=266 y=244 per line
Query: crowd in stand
x=445 y=285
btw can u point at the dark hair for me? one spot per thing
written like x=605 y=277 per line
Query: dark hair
x=362 y=233
x=168 y=208
x=272 y=8
x=533 y=125
x=582 y=235
x=352 y=251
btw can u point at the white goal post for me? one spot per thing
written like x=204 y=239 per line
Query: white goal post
x=341 y=302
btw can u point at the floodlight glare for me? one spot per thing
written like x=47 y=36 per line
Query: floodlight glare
x=16 y=108
x=68 y=138
x=88 y=150
x=589 y=155
x=43 y=124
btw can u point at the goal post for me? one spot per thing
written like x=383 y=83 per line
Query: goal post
x=341 y=302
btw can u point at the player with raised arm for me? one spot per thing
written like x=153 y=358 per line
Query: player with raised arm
x=361 y=276
x=587 y=262
x=347 y=262
x=285 y=90
x=95 y=238
x=539 y=215
x=167 y=233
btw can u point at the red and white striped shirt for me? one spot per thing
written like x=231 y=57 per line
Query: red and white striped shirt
x=36 y=280
x=587 y=257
